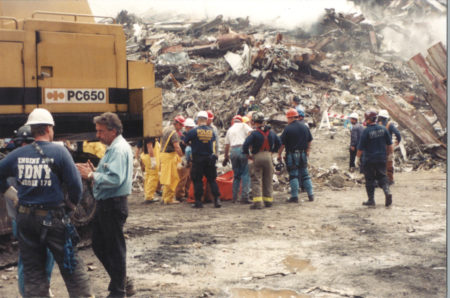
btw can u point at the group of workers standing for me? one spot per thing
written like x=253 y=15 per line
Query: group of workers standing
x=41 y=169
x=249 y=144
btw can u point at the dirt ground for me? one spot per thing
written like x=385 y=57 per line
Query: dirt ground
x=332 y=247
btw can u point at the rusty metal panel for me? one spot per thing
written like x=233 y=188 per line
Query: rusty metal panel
x=432 y=84
x=439 y=55
x=409 y=121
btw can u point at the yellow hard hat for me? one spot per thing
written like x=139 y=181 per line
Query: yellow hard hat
x=245 y=119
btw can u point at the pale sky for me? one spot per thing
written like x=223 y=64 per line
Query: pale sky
x=285 y=13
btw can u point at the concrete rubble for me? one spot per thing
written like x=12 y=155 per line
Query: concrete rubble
x=338 y=66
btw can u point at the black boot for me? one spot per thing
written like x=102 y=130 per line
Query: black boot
x=197 y=204
x=267 y=204
x=388 y=200
x=217 y=203
x=292 y=200
x=245 y=201
x=369 y=203
x=311 y=198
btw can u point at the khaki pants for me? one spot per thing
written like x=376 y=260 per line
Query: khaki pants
x=180 y=191
x=262 y=177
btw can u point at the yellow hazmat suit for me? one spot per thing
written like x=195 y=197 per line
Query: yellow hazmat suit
x=151 y=177
x=169 y=174
x=95 y=148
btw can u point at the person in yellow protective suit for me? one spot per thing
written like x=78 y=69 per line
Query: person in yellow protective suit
x=95 y=148
x=170 y=158
x=150 y=161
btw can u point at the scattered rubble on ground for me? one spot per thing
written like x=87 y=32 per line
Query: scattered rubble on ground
x=339 y=66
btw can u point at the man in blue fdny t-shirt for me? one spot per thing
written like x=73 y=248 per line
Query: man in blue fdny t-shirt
x=204 y=158
x=41 y=169
x=376 y=144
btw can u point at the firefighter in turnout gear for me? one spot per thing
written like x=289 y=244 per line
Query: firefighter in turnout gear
x=376 y=144
x=296 y=138
x=263 y=142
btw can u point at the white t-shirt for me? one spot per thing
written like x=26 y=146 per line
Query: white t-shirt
x=237 y=134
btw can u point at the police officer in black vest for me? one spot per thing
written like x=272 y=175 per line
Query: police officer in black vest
x=375 y=142
x=204 y=159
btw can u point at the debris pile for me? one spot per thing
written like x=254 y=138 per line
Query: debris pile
x=339 y=66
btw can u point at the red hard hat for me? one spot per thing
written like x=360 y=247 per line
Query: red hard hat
x=180 y=119
x=370 y=115
x=291 y=113
x=210 y=114
x=238 y=117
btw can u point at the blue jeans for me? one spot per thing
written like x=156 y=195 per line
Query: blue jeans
x=239 y=163
x=297 y=166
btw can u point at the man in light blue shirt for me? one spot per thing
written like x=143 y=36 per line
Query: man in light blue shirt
x=111 y=186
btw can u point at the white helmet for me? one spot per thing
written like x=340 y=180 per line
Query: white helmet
x=354 y=116
x=40 y=116
x=189 y=122
x=251 y=98
x=202 y=114
x=383 y=113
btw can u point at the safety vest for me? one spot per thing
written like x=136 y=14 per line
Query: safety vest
x=265 y=146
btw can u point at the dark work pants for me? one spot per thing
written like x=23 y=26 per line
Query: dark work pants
x=375 y=172
x=33 y=251
x=108 y=241
x=352 y=158
x=204 y=166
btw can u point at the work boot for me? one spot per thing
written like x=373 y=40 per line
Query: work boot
x=311 y=198
x=292 y=200
x=369 y=203
x=197 y=205
x=256 y=205
x=217 y=203
x=267 y=204
x=245 y=201
x=388 y=200
x=234 y=200
x=129 y=287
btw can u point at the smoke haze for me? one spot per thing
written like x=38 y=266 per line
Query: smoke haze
x=285 y=14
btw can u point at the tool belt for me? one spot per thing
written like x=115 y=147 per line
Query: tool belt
x=39 y=210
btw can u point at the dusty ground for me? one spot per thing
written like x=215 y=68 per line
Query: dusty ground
x=333 y=247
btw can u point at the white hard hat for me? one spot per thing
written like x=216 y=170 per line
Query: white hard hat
x=383 y=113
x=354 y=116
x=202 y=114
x=189 y=122
x=251 y=98
x=40 y=116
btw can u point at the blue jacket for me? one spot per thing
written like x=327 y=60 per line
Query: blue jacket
x=114 y=173
x=356 y=133
x=256 y=140
x=202 y=140
x=373 y=142
x=391 y=129
x=38 y=183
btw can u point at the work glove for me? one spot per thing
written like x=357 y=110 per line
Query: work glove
x=153 y=162
x=358 y=162
x=184 y=162
x=225 y=161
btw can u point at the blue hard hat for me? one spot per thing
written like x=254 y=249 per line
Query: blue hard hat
x=300 y=112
